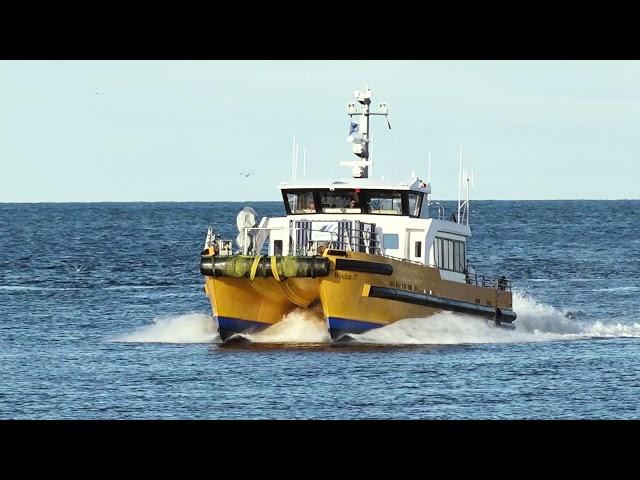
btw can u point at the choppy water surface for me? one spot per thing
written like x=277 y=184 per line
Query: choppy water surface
x=102 y=315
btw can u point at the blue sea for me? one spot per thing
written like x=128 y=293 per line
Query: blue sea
x=103 y=316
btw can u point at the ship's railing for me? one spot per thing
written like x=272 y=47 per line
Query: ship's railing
x=440 y=214
x=501 y=283
x=406 y=260
x=353 y=240
x=256 y=240
x=464 y=213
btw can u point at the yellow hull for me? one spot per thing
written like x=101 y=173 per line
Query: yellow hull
x=242 y=305
x=354 y=301
x=362 y=291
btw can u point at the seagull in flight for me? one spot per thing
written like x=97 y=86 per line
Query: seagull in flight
x=78 y=268
x=245 y=174
x=97 y=93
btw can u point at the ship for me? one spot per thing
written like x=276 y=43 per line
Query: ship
x=367 y=252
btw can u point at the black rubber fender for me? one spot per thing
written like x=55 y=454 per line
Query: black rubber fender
x=240 y=266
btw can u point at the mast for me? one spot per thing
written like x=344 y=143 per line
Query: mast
x=468 y=179
x=359 y=133
x=293 y=158
x=459 y=183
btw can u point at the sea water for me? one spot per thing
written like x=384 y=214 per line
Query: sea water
x=103 y=315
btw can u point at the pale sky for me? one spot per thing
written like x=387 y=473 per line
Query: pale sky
x=186 y=130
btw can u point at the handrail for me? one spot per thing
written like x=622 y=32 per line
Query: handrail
x=245 y=234
x=355 y=239
x=501 y=283
x=464 y=212
x=440 y=209
x=404 y=260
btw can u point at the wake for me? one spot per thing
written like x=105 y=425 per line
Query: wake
x=187 y=328
x=299 y=326
x=536 y=322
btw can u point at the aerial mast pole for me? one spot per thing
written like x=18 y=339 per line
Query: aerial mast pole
x=359 y=133
x=459 y=183
x=293 y=158
x=295 y=168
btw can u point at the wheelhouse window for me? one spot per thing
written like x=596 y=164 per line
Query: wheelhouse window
x=385 y=203
x=301 y=202
x=415 y=204
x=340 y=201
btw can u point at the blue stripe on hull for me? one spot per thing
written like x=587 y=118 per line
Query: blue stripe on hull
x=341 y=326
x=227 y=326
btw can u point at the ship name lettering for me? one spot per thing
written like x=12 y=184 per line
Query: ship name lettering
x=346 y=276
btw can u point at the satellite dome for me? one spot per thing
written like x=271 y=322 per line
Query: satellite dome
x=246 y=218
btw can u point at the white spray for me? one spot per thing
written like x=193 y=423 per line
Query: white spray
x=187 y=328
x=299 y=326
x=536 y=322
